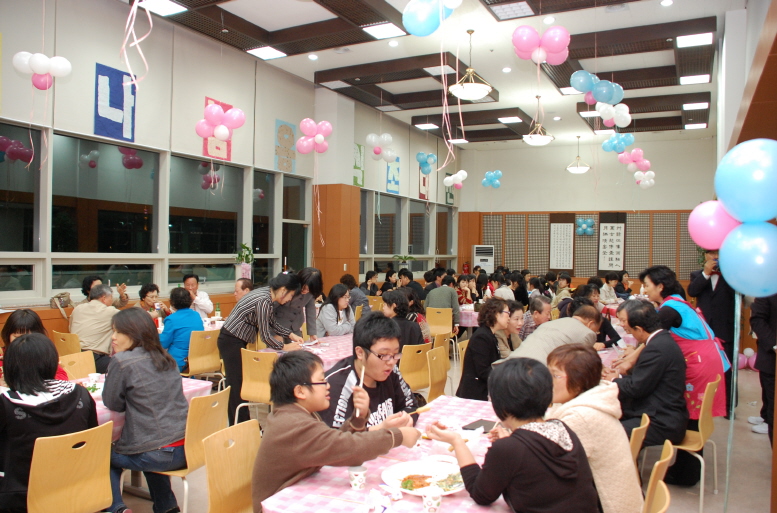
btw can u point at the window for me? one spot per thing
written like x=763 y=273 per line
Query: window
x=445 y=231
x=264 y=200
x=261 y=271
x=388 y=215
x=208 y=273
x=15 y=277
x=363 y=220
x=295 y=240
x=419 y=229
x=18 y=188
x=103 y=197
x=72 y=276
x=293 y=198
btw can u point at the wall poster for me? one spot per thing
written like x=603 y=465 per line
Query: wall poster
x=611 y=239
x=358 y=165
x=285 y=152
x=562 y=236
x=392 y=177
x=114 y=104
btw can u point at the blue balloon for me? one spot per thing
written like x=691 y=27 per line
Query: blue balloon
x=595 y=79
x=746 y=180
x=489 y=175
x=580 y=221
x=497 y=174
x=589 y=231
x=628 y=139
x=431 y=158
x=607 y=145
x=420 y=157
x=446 y=12
x=579 y=231
x=426 y=168
x=485 y=182
x=496 y=184
x=421 y=17
x=619 y=147
x=589 y=221
x=2 y=156
x=748 y=255
x=602 y=91
x=582 y=81
x=617 y=94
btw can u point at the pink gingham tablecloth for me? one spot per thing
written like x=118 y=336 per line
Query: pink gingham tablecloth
x=332 y=349
x=468 y=318
x=329 y=490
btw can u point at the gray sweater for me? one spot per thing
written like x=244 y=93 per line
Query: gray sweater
x=291 y=315
x=327 y=321
x=152 y=400
x=358 y=298
x=444 y=297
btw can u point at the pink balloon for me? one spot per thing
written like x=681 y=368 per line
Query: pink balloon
x=126 y=161
x=12 y=152
x=203 y=129
x=42 y=82
x=205 y=186
x=526 y=39
x=458 y=185
x=589 y=98
x=637 y=154
x=609 y=122
x=128 y=151
x=324 y=128
x=709 y=224
x=624 y=158
x=308 y=127
x=92 y=164
x=305 y=145
x=137 y=162
x=233 y=118
x=751 y=362
x=216 y=178
x=208 y=179
x=322 y=147
x=377 y=150
x=214 y=114
x=26 y=154
x=643 y=165
x=742 y=361
x=556 y=59
x=555 y=39
x=4 y=143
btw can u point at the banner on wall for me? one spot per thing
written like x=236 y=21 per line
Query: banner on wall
x=114 y=104
x=611 y=244
x=212 y=147
x=562 y=236
x=358 y=165
x=392 y=177
x=448 y=192
x=285 y=151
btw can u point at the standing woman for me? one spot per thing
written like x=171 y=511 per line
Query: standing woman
x=144 y=383
x=335 y=317
x=483 y=350
x=302 y=307
x=253 y=315
x=390 y=283
x=463 y=291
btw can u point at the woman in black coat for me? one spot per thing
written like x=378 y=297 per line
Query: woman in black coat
x=483 y=350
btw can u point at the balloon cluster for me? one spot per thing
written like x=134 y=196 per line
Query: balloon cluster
x=43 y=68
x=737 y=223
x=492 y=179
x=130 y=160
x=426 y=161
x=11 y=150
x=456 y=180
x=422 y=17
x=637 y=163
x=205 y=167
x=614 y=115
x=258 y=194
x=219 y=124
x=210 y=177
x=618 y=143
x=552 y=47
x=381 y=147
x=584 y=226
x=605 y=95
x=314 y=137
x=90 y=159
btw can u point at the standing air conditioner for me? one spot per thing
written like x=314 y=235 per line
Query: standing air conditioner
x=484 y=257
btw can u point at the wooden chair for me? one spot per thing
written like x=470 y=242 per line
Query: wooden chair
x=358 y=313
x=304 y=331
x=259 y=344
x=376 y=303
x=78 y=365
x=444 y=340
x=438 y=374
x=637 y=437
x=414 y=367
x=554 y=314
x=71 y=473
x=661 y=499
x=204 y=357
x=440 y=320
x=696 y=440
x=229 y=461
x=66 y=343
x=656 y=477
x=207 y=415
x=462 y=350
x=256 y=377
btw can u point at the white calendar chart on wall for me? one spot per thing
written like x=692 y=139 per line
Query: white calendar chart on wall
x=611 y=244
x=562 y=236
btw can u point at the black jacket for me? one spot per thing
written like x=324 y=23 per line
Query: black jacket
x=482 y=351
x=716 y=305
x=763 y=320
x=410 y=333
x=419 y=290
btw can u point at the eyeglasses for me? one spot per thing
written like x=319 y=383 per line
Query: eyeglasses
x=316 y=383
x=506 y=311
x=387 y=357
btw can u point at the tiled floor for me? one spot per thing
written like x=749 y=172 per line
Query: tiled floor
x=750 y=470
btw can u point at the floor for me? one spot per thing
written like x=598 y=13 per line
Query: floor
x=750 y=470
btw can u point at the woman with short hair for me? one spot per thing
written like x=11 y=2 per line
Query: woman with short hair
x=390 y=283
x=22 y=322
x=149 y=299
x=417 y=313
x=483 y=350
x=335 y=317
x=358 y=297
x=463 y=292
x=508 y=339
x=370 y=285
x=179 y=326
x=397 y=307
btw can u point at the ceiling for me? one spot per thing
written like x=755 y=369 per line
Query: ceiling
x=632 y=42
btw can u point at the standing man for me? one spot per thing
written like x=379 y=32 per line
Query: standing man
x=201 y=301
x=715 y=297
x=763 y=320
x=446 y=297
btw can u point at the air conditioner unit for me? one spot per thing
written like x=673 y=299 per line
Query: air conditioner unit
x=484 y=257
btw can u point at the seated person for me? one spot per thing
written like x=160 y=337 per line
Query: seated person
x=566 y=305
x=562 y=289
x=537 y=314
x=508 y=339
x=358 y=298
x=518 y=286
x=535 y=288
x=91 y=281
x=92 y=323
x=179 y=326
x=335 y=317
x=417 y=313
x=623 y=288
x=149 y=299
x=607 y=291
x=483 y=350
x=296 y=443
x=376 y=355
x=445 y=296
x=22 y=322
x=463 y=292
x=389 y=284
x=433 y=279
x=406 y=280
x=370 y=285
x=595 y=280
x=36 y=405
x=397 y=307
x=541 y=465
x=201 y=302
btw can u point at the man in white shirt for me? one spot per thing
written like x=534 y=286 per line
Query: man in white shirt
x=201 y=302
x=92 y=322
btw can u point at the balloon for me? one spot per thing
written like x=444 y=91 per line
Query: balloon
x=377 y=150
x=426 y=168
x=59 y=67
x=579 y=231
x=214 y=114
x=421 y=17
x=318 y=138
x=222 y=133
x=372 y=139
x=234 y=118
x=126 y=161
x=603 y=91
x=639 y=175
x=137 y=161
x=748 y=352
x=13 y=153
x=619 y=147
x=386 y=140
x=452 y=4
x=539 y=55
x=643 y=165
x=628 y=139
x=42 y=82
x=631 y=168
x=747 y=255
x=321 y=147
x=203 y=129
x=458 y=186
x=324 y=128
x=589 y=221
x=622 y=107
x=375 y=157
x=607 y=145
x=582 y=81
x=637 y=154
x=21 y=61
x=584 y=226
x=456 y=179
x=92 y=164
x=605 y=110
x=555 y=39
x=751 y=363
x=420 y=157
x=526 y=39
x=579 y=221
x=39 y=63
x=644 y=184
x=447 y=181
x=463 y=174
x=308 y=127
x=94 y=155
x=556 y=59
x=25 y=154
x=203 y=168
x=622 y=119
x=485 y=182
x=746 y=180
x=589 y=231
x=650 y=175
x=609 y=123
x=205 y=186
x=624 y=158
x=490 y=176
x=389 y=155
x=129 y=151
x=432 y=158
x=496 y=184
x=617 y=93
x=4 y=143
x=497 y=174
x=305 y=145
x=589 y=98
x=523 y=55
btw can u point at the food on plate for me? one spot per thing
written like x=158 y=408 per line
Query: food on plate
x=452 y=482
x=92 y=388
x=415 y=481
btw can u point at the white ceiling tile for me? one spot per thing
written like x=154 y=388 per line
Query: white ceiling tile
x=268 y=14
x=630 y=61
x=411 y=86
x=666 y=114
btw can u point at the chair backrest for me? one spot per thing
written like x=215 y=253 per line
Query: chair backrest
x=229 y=460
x=71 y=473
x=66 y=343
x=438 y=371
x=638 y=436
x=376 y=303
x=78 y=365
x=554 y=314
x=413 y=366
x=657 y=475
x=256 y=375
x=440 y=320
x=462 y=350
x=207 y=415
x=358 y=313
x=706 y=424
x=259 y=344
x=661 y=499
x=203 y=352
x=443 y=340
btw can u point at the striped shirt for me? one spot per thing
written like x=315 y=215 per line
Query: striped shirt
x=254 y=314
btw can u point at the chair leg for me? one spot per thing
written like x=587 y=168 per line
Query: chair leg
x=701 y=480
x=237 y=410
x=714 y=465
x=121 y=481
x=642 y=467
x=185 y=495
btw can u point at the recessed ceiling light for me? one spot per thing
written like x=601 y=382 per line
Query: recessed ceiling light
x=458 y=141
x=393 y=44
x=695 y=79
x=384 y=31
x=588 y=114
x=313 y=57
x=667 y=3
x=695 y=126
x=266 y=53
x=694 y=40
x=569 y=90
x=510 y=119
x=162 y=7
x=608 y=131
x=506 y=70
x=696 y=106
x=549 y=20
x=427 y=126
x=556 y=118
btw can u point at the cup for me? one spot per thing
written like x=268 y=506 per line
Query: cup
x=157 y=306
x=358 y=477
x=94 y=377
x=432 y=499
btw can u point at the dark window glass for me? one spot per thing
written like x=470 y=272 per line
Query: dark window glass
x=264 y=200
x=294 y=246
x=388 y=215
x=15 y=277
x=207 y=273
x=262 y=271
x=363 y=220
x=293 y=198
x=444 y=231
x=419 y=229
x=18 y=187
x=72 y=276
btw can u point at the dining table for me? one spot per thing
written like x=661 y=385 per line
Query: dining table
x=331 y=349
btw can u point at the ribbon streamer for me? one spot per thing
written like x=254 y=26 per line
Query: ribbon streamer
x=129 y=31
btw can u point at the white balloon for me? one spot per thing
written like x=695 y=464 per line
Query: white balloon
x=650 y=175
x=652 y=182
x=319 y=138
x=60 y=67
x=644 y=184
x=457 y=179
x=639 y=175
x=40 y=64
x=462 y=174
x=386 y=140
x=748 y=352
x=375 y=157
x=452 y=4
x=539 y=55
x=21 y=61
x=84 y=160
x=447 y=181
x=583 y=226
x=372 y=140
x=607 y=112
x=94 y=155
x=631 y=168
x=389 y=155
x=221 y=133
x=622 y=107
x=622 y=120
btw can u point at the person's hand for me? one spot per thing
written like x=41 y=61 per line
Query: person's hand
x=192 y=294
x=709 y=267
x=396 y=420
x=439 y=432
x=455 y=330
x=361 y=402
x=628 y=284
x=294 y=346
x=410 y=436
x=378 y=293
x=295 y=338
x=599 y=346
x=497 y=433
x=122 y=289
x=609 y=374
x=313 y=338
x=623 y=366
x=628 y=351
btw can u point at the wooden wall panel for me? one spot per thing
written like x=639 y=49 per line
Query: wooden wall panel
x=339 y=227
x=470 y=233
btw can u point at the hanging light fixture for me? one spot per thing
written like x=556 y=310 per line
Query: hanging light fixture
x=471 y=86
x=538 y=135
x=578 y=167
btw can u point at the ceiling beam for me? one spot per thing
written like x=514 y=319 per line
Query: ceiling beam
x=232 y=22
x=657 y=103
x=385 y=67
x=386 y=10
x=310 y=31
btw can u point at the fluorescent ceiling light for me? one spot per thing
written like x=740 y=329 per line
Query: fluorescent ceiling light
x=695 y=126
x=695 y=79
x=512 y=10
x=556 y=118
x=608 y=131
x=569 y=90
x=335 y=84
x=436 y=71
x=384 y=31
x=694 y=40
x=588 y=114
x=313 y=57
x=458 y=141
x=506 y=70
x=393 y=44
x=549 y=20
x=162 y=7
x=266 y=53
x=510 y=119
x=427 y=126
x=667 y=3
x=387 y=108
x=696 y=106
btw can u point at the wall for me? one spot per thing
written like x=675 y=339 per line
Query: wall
x=732 y=74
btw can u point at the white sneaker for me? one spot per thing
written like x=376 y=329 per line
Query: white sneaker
x=755 y=420
x=761 y=429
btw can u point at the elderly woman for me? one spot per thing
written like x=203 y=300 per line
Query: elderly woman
x=336 y=318
x=483 y=350
x=508 y=339
x=179 y=326
x=149 y=301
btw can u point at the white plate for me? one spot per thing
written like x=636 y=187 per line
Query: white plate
x=437 y=467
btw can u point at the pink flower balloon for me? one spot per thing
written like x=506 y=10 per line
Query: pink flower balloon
x=589 y=98
x=308 y=127
x=523 y=55
x=609 y=122
x=637 y=154
x=322 y=147
x=377 y=150
x=624 y=158
x=526 y=39
x=42 y=82
x=555 y=39
x=92 y=164
x=709 y=224
x=233 y=118
x=214 y=114
x=203 y=129
x=751 y=362
x=324 y=128
x=643 y=165
x=556 y=59
x=458 y=185
x=305 y=145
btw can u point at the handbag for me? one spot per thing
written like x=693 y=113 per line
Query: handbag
x=61 y=301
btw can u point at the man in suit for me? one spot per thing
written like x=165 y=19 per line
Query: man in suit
x=763 y=321
x=656 y=380
x=715 y=297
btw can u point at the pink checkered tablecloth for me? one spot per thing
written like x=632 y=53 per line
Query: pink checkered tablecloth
x=333 y=349
x=468 y=318
x=329 y=490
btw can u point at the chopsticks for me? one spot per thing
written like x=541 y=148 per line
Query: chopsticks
x=361 y=382
x=421 y=409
